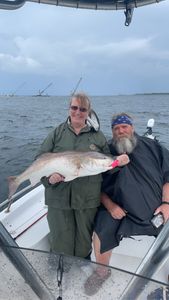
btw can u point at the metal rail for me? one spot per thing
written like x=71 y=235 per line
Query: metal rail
x=155 y=259
x=17 y=258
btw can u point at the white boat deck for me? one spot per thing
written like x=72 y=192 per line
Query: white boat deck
x=27 y=224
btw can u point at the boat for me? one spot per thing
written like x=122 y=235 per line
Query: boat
x=126 y=5
x=139 y=266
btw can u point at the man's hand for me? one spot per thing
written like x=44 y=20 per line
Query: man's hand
x=55 y=178
x=123 y=160
x=117 y=212
x=114 y=209
x=164 y=209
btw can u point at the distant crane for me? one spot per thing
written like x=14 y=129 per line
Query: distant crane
x=42 y=91
x=18 y=88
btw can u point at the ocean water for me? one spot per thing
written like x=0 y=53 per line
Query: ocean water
x=26 y=121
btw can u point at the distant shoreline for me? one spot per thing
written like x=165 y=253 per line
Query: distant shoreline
x=152 y=94
x=113 y=95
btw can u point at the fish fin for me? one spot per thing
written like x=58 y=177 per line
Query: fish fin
x=13 y=185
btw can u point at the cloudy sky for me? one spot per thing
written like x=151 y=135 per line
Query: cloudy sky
x=42 y=44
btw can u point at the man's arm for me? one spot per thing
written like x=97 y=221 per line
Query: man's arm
x=164 y=207
x=114 y=209
x=165 y=196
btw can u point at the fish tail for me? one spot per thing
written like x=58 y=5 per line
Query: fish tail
x=12 y=185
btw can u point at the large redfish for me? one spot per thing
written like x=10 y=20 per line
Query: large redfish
x=70 y=164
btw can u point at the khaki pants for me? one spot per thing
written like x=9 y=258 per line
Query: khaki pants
x=71 y=230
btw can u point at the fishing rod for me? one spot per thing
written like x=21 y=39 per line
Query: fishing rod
x=92 y=119
x=75 y=89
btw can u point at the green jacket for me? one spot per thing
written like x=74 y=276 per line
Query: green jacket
x=82 y=192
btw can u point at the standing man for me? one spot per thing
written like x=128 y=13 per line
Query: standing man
x=131 y=197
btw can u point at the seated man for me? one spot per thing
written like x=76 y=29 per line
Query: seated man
x=130 y=197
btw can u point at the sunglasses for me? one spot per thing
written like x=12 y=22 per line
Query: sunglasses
x=81 y=109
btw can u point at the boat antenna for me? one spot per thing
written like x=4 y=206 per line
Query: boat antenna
x=76 y=87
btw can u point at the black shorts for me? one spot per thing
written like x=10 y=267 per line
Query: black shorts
x=106 y=228
x=111 y=231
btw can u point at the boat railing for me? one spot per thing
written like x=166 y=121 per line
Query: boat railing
x=151 y=264
x=17 y=195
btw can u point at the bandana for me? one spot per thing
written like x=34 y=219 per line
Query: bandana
x=122 y=120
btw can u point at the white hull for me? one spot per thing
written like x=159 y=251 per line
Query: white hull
x=27 y=224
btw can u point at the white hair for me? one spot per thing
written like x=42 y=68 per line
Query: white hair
x=125 y=144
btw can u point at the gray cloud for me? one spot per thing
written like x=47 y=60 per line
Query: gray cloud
x=51 y=43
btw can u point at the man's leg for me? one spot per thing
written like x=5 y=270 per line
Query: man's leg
x=101 y=273
x=103 y=258
x=104 y=239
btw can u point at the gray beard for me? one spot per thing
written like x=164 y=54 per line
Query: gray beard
x=125 y=144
